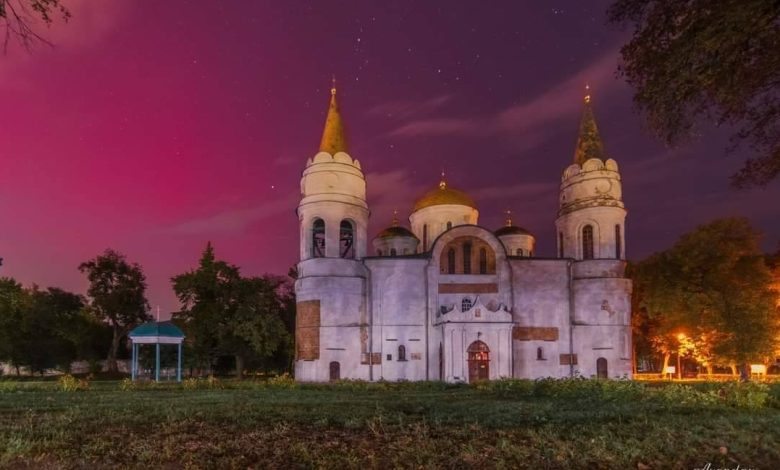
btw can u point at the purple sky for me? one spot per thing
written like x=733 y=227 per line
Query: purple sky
x=152 y=130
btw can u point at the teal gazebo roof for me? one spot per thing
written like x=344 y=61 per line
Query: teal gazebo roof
x=157 y=332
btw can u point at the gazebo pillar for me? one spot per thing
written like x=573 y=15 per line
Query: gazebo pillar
x=157 y=362
x=134 y=361
x=178 y=369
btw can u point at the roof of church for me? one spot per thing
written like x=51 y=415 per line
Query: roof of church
x=395 y=230
x=589 y=144
x=333 y=136
x=509 y=229
x=444 y=195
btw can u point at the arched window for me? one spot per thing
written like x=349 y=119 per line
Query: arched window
x=467 y=258
x=539 y=354
x=618 y=243
x=451 y=261
x=425 y=237
x=318 y=238
x=335 y=371
x=587 y=242
x=393 y=252
x=519 y=252
x=402 y=353
x=346 y=239
x=449 y=225
x=482 y=261
x=466 y=305
x=560 y=244
x=379 y=252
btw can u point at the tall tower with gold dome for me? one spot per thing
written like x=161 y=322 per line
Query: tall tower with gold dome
x=333 y=223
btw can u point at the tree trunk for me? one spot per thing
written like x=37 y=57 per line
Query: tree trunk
x=665 y=364
x=111 y=365
x=709 y=369
x=744 y=373
x=18 y=372
x=239 y=367
x=733 y=368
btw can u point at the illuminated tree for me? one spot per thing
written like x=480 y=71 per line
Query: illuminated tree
x=696 y=60
x=714 y=286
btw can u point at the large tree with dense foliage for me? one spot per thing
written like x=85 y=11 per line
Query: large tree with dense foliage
x=695 y=60
x=117 y=294
x=711 y=294
x=225 y=314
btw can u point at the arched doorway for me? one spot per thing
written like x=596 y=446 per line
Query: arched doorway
x=601 y=368
x=479 y=361
x=335 y=371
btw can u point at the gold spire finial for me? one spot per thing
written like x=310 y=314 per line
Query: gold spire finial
x=395 y=217
x=442 y=182
x=508 y=218
x=589 y=144
x=333 y=137
x=333 y=85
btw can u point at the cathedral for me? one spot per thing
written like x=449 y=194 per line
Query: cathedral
x=448 y=299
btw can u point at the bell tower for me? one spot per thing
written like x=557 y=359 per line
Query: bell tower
x=331 y=331
x=333 y=212
x=591 y=214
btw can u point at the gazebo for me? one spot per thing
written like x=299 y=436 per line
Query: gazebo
x=156 y=333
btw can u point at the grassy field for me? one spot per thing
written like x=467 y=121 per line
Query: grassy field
x=511 y=424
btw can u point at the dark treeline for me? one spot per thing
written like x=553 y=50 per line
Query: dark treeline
x=232 y=322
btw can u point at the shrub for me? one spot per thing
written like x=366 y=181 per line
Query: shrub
x=745 y=394
x=127 y=385
x=282 y=381
x=679 y=394
x=68 y=383
x=507 y=387
x=191 y=384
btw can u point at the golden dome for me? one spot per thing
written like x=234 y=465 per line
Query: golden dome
x=444 y=195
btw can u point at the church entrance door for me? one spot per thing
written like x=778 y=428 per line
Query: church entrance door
x=479 y=361
x=335 y=371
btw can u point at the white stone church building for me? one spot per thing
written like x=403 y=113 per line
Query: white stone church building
x=448 y=299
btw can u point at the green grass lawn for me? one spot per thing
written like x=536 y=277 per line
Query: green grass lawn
x=527 y=425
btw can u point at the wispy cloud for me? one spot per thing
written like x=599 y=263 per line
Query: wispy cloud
x=528 y=122
x=404 y=109
x=234 y=220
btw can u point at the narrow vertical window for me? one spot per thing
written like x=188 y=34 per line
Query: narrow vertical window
x=618 y=243
x=467 y=258
x=379 y=252
x=449 y=225
x=393 y=252
x=539 y=354
x=346 y=239
x=587 y=242
x=466 y=304
x=425 y=237
x=402 y=353
x=482 y=261
x=560 y=244
x=318 y=238
x=519 y=252
x=451 y=261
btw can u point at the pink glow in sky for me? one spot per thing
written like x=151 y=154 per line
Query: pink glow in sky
x=153 y=127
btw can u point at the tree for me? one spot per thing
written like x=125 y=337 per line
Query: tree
x=713 y=287
x=20 y=16
x=13 y=303
x=117 y=293
x=225 y=314
x=696 y=60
